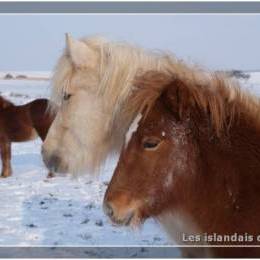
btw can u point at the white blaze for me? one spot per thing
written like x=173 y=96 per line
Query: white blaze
x=168 y=180
x=132 y=128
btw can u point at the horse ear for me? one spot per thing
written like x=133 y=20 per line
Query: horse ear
x=79 y=52
x=178 y=99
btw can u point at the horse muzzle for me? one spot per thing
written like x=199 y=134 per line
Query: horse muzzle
x=124 y=219
x=122 y=209
x=54 y=162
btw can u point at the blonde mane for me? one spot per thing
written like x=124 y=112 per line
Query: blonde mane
x=216 y=94
x=119 y=64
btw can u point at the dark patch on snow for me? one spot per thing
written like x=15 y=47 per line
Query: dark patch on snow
x=19 y=95
x=67 y=215
x=85 y=221
x=90 y=206
x=21 y=76
x=31 y=226
x=157 y=239
x=85 y=236
x=8 y=76
x=99 y=223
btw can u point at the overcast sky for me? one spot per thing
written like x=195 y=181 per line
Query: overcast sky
x=33 y=42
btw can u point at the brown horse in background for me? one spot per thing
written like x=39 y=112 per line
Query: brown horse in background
x=193 y=164
x=20 y=124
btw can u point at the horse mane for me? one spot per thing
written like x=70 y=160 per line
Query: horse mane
x=123 y=98
x=4 y=103
x=216 y=94
x=119 y=64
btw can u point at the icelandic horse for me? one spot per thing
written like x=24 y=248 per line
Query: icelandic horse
x=192 y=163
x=20 y=124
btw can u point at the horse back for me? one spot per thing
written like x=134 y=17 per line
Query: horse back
x=15 y=124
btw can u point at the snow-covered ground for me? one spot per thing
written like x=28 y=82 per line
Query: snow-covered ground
x=27 y=74
x=63 y=210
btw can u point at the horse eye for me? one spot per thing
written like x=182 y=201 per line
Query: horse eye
x=150 y=144
x=67 y=96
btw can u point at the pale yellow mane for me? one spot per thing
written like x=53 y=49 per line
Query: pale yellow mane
x=119 y=64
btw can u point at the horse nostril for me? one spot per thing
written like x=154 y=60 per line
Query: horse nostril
x=54 y=161
x=108 y=209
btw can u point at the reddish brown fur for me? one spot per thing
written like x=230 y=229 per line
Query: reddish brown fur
x=20 y=124
x=213 y=162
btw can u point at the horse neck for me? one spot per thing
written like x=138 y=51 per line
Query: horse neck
x=229 y=162
x=238 y=142
x=224 y=178
x=4 y=103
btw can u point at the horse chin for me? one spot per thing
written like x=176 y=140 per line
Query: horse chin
x=136 y=222
x=62 y=169
x=57 y=168
x=133 y=220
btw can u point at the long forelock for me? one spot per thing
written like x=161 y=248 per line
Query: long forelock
x=121 y=63
x=61 y=78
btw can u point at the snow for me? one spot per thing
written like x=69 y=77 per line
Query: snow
x=253 y=84
x=63 y=210
x=28 y=74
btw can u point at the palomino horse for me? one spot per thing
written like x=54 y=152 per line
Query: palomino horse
x=194 y=164
x=91 y=85
x=20 y=124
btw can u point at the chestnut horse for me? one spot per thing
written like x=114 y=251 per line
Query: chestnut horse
x=20 y=124
x=194 y=164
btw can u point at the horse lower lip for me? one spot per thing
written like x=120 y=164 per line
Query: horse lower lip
x=129 y=219
x=124 y=222
x=58 y=168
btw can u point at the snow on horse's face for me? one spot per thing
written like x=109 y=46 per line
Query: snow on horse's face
x=78 y=126
x=188 y=162
x=149 y=168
